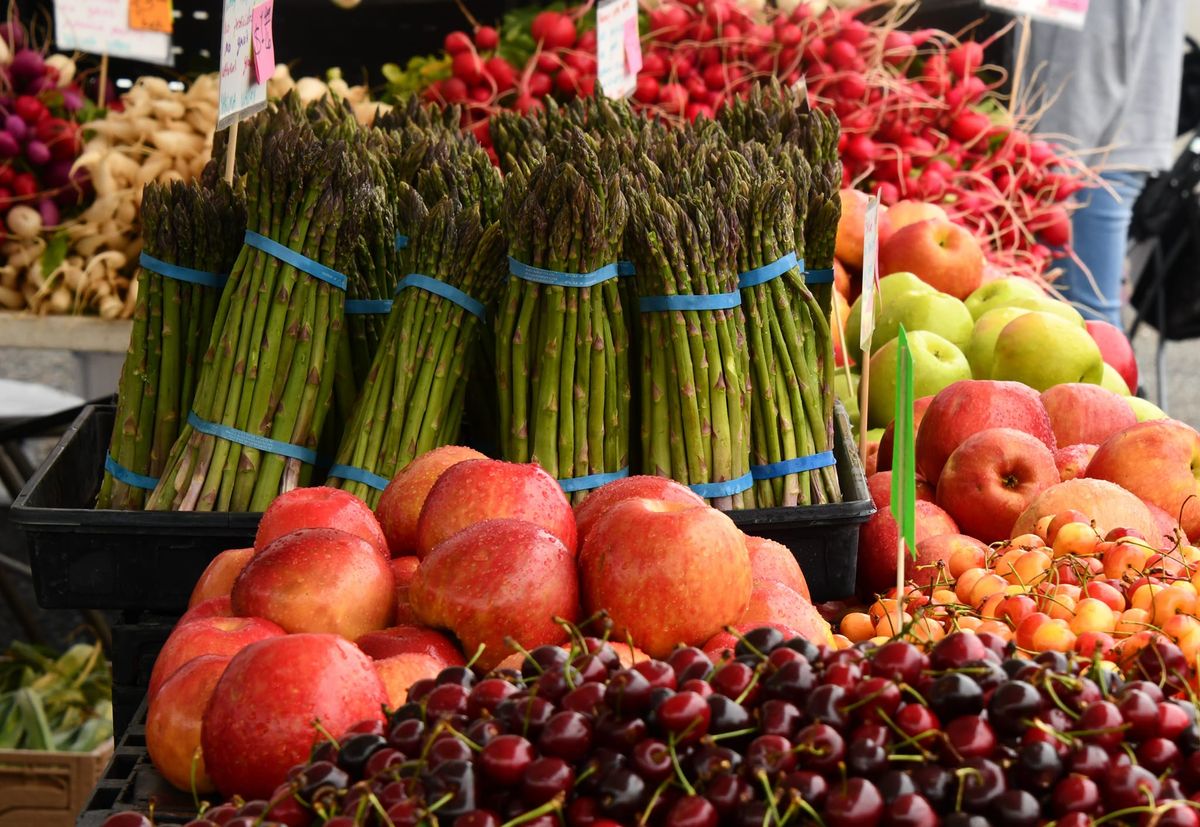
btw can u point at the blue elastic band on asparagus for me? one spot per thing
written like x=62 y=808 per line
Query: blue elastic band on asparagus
x=298 y=260
x=356 y=474
x=401 y=241
x=174 y=271
x=710 y=490
x=712 y=301
x=774 y=270
x=440 y=288
x=260 y=443
x=823 y=276
x=122 y=474
x=795 y=465
x=542 y=276
x=626 y=269
x=365 y=307
x=573 y=484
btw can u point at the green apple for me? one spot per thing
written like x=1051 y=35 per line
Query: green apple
x=890 y=287
x=938 y=313
x=1001 y=293
x=936 y=364
x=983 y=338
x=847 y=393
x=1113 y=381
x=1046 y=304
x=1144 y=409
x=1043 y=350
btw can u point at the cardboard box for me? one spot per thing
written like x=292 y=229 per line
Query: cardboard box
x=48 y=789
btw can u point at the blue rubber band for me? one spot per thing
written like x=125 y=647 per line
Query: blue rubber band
x=542 y=276
x=122 y=474
x=440 y=288
x=712 y=301
x=711 y=490
x=573 y=484
x=774 y=270
x=298 y=260
x=626 y=269
x=365 y=307
x=260 y=443
x=401 y=241
x=174 y=271
x=356 y=474
x=793 y=466
x=823 y=276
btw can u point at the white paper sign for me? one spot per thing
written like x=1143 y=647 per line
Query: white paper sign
x=239 y=95
x=613 y=69
x=102 y=27
x=870 y=275
x=1067 y=13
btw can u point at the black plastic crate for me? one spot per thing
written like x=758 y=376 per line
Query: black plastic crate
x=135 y=645
x=86 y=558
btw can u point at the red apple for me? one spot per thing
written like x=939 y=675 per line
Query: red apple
x=475 y=490
x=1116 y=350
x=217 y=578
x=319 y=580
x=879 y=537
x=598 y=502
x=207 y=636
x=903 y=213
x=399 y=672
x=772 y=603
x=173 y=722
x=401 y=640
x=941 y=253
x=933 y=558
x=770 y=560
x=1159 y=461
x=1083 y=414
x=494 y=580
x=991 y=477
x=404 y=569
x=851 y=225
x=974 y=405
x=213 y=607
x=1072 y=460
x=887 y=441
x=879 y=486
x=1168 y=528
x=260 y=720
x=399 y=506
x=319 y=507
x=667 y=573
x=1109 y=506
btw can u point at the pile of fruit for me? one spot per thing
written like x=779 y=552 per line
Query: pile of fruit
x=55 y=702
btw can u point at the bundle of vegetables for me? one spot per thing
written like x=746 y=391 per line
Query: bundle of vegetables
x=192 y=234
x=266 y=381
x=310 y=89
x=562 y=340
x=55 y=703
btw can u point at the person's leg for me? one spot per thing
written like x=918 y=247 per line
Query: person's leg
x=1100 y=229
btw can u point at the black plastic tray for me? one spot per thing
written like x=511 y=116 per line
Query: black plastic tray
x=86 y=558
x=136 y=642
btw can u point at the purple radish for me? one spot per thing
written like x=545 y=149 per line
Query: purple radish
x=9 y=147
x=12 y=34
x=49 y=212
x=57 y=174
x=15 y=125
x=27 y=65
x=37 y=153
x=72 y=99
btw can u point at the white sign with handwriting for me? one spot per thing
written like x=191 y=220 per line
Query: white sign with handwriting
x=1067 y=13
x=102 y=28
x=239 y=95
x=618 y=49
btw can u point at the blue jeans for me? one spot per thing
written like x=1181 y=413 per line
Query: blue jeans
x=1100 y=229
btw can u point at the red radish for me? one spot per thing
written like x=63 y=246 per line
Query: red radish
x=482 y=133
x=674 y=98
x=486 y=38
x=647 y=90
x=888 y=194
x=527 y=103
x=815 y=49
x=468 y=67
x=540 y=28
x=457 y=43
x=862 y=148
x=454 y=90
x=654 y=64
x=714 y=77
x=582 y=62
x=587 y=86
x=1053 y=227
x=1040 y=153
x=548 y=62
x=682 y=66
x=562 y=34
x=969 y=126
x=502 y=72
x=480 y=94
x=842 y=54
x=853 y=87
x=855 y=31
x=567 y=80
x=24 y=185
x=669 y=23
x=709 y=56
x=965 y=59
x=539 y=84
x=898 y=47
x=587 y=42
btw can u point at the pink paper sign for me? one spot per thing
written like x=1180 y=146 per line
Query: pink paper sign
x=633 y=45
x=262 y=41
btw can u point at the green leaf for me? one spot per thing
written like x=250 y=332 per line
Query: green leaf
x=37 y=728
x=55 y=253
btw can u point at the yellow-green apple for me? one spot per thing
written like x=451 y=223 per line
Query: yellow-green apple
x=599 y=501
x=1043 y=350
x=903 y=213
x=494 y=580
x=475 y=490
x=207 y=636
x=851 y=225
x=667 y=573
x=991 y=478
x=1051 y=305
x=936 y=364
x=770 y=560
x=981 y=349
x=847 y=394
x=1116 y=350
x=878 y=537
x=399 y=672
x=1001 y=293
x=399 y=506
x=965 y=408
x=936 y=312
x=174 y=719
x=874 y=435
x=1112 y=381
x=401 y=640
x=259 y=721
x=319 y=580
x=879 y=486
x=1158 y=461
x=217 y=578
x=1072 y=460
x=887 y=441
x=942 y=253
x=773 y=603
x=320 y=507
x=891 y=287
x=213 y=607
x=1082 y=413
x=1144 y=410
x=933 y=558
x=1107 y=505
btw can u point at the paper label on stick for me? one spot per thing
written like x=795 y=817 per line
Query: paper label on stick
x=633 y=46
x=870 y=274
x=102 y=27
x=615 y=57
x=262 y=41
x=904 y=472
x=1067 y=13
x=239 y=95
x=151 y=16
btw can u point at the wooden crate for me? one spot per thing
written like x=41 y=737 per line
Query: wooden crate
x=48 y=788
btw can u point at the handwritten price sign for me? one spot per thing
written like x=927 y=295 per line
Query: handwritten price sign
x=263 y=41
x=151 y=16
x=239 y=96
x=618 y=49
x=1068 y=13
x=104 y=27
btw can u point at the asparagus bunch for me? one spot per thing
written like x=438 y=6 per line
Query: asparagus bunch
x=269 y=367
x=562 y=353
x=197 y=226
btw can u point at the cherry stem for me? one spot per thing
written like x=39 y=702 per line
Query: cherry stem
x=377 y=805
x=807 y=808
x=772 y=810
x=742 y=639
x=749 y=687
x=478 y=654
x=736 y=733
x=440 y=803
x=513 y=644
x=554 y=805
x=676 y=766
x=645 y=816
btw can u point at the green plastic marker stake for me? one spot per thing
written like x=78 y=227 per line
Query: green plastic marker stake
x=904 y=472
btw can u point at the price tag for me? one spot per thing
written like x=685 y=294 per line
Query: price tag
x=263 y=41
x=151 y=16
x=239 y=96
x=614 y=57
x=870 y=276
x=1067 y=13
x=103 y=27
